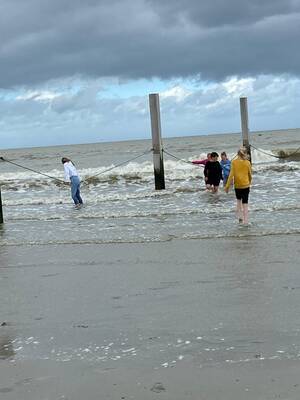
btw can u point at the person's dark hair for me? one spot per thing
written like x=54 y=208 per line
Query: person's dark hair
x=224 y=153
x=65 y=159
x=214 y=154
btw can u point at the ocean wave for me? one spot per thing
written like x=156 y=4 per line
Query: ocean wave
x=141 y=173
x=278 y=167
x=290 y=154
x=92 y=199
x=243 y=232
x=92 y=213
x=259 y=156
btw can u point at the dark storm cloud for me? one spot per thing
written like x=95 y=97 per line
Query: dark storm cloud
x=43 y=40
x=215 y=13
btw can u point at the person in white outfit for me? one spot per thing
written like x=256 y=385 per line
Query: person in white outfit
x=72 y=176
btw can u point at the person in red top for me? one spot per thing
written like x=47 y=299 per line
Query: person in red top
x=203 y=162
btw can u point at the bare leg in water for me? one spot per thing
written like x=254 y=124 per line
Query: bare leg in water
x=245 y=213
x=239 y=210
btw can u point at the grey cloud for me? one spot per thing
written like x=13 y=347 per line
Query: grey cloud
x=85 y=99
x=43 y=40
x=217 y=13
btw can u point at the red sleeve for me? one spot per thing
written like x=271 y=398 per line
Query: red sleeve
x=203 y=162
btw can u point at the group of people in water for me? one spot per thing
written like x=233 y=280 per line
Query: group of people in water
x=237 y=171
x=215 y=171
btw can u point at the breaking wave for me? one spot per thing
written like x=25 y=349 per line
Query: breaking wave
x=242 y=233
x=134 y=173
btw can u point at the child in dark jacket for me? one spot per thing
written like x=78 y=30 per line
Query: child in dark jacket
x=213 y=173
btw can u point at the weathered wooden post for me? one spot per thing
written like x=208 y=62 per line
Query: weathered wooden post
x=159 y=175
x=244 y=123
x=1 y=212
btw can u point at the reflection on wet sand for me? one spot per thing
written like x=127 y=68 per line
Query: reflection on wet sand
x=3 y=250
x=6 y=346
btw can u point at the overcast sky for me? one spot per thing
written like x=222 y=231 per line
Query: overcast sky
x=80 y=71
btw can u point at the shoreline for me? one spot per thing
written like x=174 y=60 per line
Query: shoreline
x=242 y=234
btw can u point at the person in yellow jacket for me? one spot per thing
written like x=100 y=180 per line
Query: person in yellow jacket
x=241 y=174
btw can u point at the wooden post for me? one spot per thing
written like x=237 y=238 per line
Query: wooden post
x=244 y=123
x=159 y=176
x=1 y=212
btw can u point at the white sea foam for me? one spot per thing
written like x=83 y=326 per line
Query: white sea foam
x=139 y=173
x=123 y=205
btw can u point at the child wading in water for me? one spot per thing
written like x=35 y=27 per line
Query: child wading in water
x=203 y=162
x=241 y=174
x=225 y=164
x=71 y=175
x=213 y=173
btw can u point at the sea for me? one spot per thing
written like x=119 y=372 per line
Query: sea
x=121 y=204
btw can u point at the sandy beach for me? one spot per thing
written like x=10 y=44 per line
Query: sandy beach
x=196 y=319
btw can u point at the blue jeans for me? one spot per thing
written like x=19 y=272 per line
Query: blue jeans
x=75 y=190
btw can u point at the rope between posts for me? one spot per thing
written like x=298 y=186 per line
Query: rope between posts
x=188 y=162
x=32 y=170
x=85 y=181
x=273 y=155
x=264 y=152
x=176 y=158
x=261 y=151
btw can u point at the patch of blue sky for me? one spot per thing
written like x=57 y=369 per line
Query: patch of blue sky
x=143 y=87
x=109 y=88
x=8 y=95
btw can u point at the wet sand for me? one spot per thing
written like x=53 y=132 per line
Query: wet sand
x=197 y=319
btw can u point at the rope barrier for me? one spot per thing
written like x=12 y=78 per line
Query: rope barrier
x=32 y=170
x=178 y=159
x=188 y=162
x=264 y=152
x=261 y=151
x=85 y=181
x=273 y=155
x=292 y=154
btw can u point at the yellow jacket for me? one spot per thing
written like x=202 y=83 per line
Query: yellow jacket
x=240 y=172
